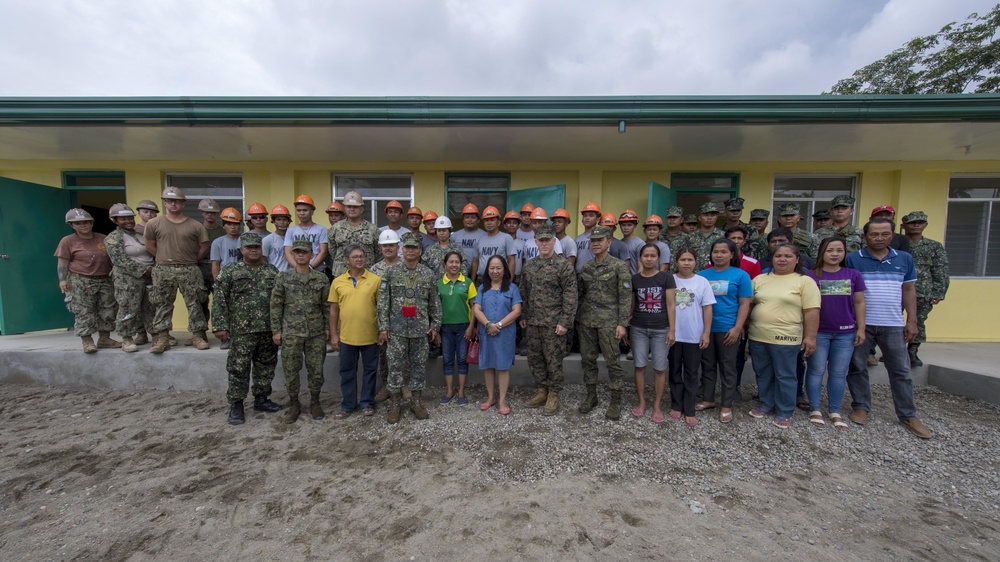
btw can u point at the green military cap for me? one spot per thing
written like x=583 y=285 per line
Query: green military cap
x=545 y=231
x=788 y=209
x=709 y=208
x=690 y=219
x=735 y=204
x=760 y=214
x=842 y=201
x=302 y=245
x=253 y=239
x=675 y=211
x=915 y=216
x=600 y=232
x=411 y=239
x=822 y=214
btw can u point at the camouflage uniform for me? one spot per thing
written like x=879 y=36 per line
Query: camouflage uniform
x=605 y=302
x=135 y=311
x=92 y=302
x=383 y=360
x=549 y=293
x=853 y=235
x=433 y=257
x=299 y=311
x=408 y=347
x=241 y=306
x=701 y=243
x=931 y=262
x=343 y=234
x=187 y=279
x=757 y=244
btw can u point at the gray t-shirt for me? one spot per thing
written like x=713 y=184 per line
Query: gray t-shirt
x=469 y=241
x=633 y=246
x=315 y=234
x=664 y=253
x=273 y=247
x=583 y=253
x=225 y=250
x=568 y=246
x=500 y=244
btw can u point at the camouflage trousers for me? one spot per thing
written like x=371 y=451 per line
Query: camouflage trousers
x=206 y=276
x=256 y=351
x=600 y=340
x=295 y=349
x=924 y=307
x=167 y=281
x=407 y=358
x=546 y=352
x=135 y=312
x=92 y=302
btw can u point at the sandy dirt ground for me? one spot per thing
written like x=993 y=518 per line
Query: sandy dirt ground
x=143 y=475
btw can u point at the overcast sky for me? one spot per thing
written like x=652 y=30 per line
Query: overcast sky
x=451 y=47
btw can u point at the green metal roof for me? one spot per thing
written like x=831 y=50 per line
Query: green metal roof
x=264 y=111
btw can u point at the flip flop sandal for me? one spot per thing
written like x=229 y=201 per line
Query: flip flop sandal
x=816 y=418
x=486 y=405
x=691 y=422
x=341 y=415
x=702 y=406
x=657 y=417
x=368 y=411
x=675 y=415
x=781 y=422
x=639 y=412
x=759 y=412
x=838 y=422
x=726 y=417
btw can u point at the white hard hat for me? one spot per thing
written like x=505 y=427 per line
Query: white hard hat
x=442 y=222
x=388 y=237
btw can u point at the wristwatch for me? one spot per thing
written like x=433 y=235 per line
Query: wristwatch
x=500 y=325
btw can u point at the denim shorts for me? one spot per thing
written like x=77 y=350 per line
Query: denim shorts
x=643 y=341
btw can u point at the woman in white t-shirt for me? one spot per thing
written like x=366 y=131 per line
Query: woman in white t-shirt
x=694 y=300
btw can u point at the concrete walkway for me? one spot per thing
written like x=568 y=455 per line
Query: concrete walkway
x=56 y=358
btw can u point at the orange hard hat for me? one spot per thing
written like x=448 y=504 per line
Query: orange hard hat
x=527 y=208
x=335 y=207
x=257 y=209
x=415 y=211
x=653 y=220
x=305 y=200
x=470 y=209
x=539 y=214
x=628 y=216
x=492 y=212
x=591 y=207
x=561 y=214
x=512 y=215
x=430 y=216
x=280 y=210
x=394 y=205
x=608 y=219
x=230 y=214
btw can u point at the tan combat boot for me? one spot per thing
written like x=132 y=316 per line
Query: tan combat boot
x=141 y=338
x=417 y=408
x=541 y=395
x=199 y=340
x=294 y=409
x=315 y=410
x=395 y=407
x=128 y=346
x=105 y=341
x=160 y=343
x=614 y=411
x=88 y=344
x=589 y=401
x=551 y=404
x=382 y=395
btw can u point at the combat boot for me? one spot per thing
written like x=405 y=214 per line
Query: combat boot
x=914 y=360
x=128 y=346
x=141 y=338
x=551 y=404
x=160 y=343
x=171 y=340
x=614 y=411
x=417 y=408
x=88 y=344
x=315 y=410
x=105 y=341
x=395 y=408
x=382 y=395
x=199 y=340
x=538 y=399
x=589 y=401
x=262 y=403
x=294 y=409
x=236 y=415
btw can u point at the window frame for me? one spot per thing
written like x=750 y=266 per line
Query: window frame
x=192 y=198
x=811 y=201
x=375 y=204
x=990 y=212
x=457 y=220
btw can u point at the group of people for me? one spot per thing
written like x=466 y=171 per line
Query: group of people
x=691 y=302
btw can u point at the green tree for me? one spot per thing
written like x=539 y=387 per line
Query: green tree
x=960 y=58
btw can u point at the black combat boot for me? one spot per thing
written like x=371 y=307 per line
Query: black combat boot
x=262 y=403
x=236 y=416
x=914 y=360
x=589 y=401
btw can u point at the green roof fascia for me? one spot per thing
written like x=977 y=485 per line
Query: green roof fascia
x=296 y=111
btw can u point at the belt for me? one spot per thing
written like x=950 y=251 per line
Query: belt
x=93 y=276
x=175 y=265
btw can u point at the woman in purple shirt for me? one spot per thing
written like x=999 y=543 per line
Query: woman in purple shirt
x=841 y=328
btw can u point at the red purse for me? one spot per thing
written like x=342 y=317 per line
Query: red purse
x=472 y=355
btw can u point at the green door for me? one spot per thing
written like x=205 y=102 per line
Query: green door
x=31 y=226
x=660 y=199
x=550 y=198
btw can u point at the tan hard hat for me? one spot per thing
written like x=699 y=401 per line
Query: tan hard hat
x=173 y=193
x=78 y=215
x=120 y=210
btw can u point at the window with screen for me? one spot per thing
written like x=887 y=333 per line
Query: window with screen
x=811 y=192
x=225 y=189
x=972 y=229
x=376 y=190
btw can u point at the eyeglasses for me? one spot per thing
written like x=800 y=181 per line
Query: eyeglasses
x=173 y=201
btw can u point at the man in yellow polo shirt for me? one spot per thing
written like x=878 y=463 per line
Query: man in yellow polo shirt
x=354 y=296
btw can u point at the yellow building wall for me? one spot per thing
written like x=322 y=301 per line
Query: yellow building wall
x=908 y=186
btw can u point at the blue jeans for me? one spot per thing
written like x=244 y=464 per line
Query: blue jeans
x=833 y=354
x=892 y=342
x=349 y=371
x=454 y=347
x=776 y=380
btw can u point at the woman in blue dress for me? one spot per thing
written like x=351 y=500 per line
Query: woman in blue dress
x=497 y=306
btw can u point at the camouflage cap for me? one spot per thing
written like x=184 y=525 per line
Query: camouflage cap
x=915 y=216
x=545 y=231
x=252 y=239
x=735 y=204
x=709 y=207
x=688 y=219
x=760 y=214
x=674 y=211
x=600 y=232
x=788 y=209
x=822 y=214
x=411 y=239
x=842 y=201
x=302 y=245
